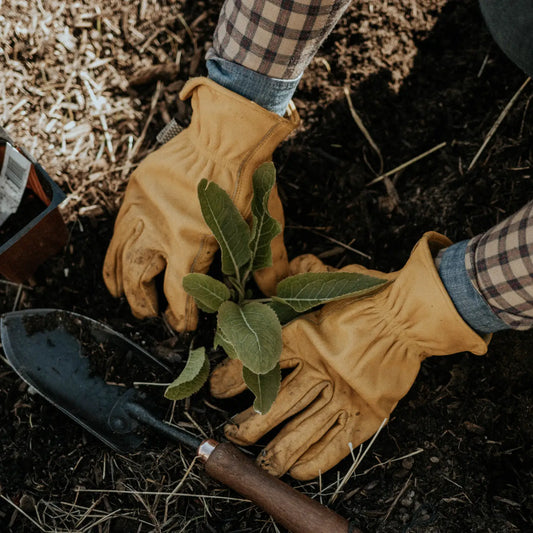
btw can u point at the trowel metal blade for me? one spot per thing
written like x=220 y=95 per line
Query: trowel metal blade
x=45 y=349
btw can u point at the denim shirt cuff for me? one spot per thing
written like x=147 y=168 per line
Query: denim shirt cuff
x=469 y=303
x=271 y=93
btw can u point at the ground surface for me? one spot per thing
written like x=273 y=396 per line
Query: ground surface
x=419 y=72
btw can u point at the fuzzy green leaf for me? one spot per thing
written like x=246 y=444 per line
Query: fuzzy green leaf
x=264 y=386
x=192 y=377
x=305 y=291
x=284 y=312
x=221 y=341
x=208 y=293
x=229 y=228
x=264 y=227
x=254 y=332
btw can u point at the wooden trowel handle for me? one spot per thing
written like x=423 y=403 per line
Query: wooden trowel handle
x=291 y=509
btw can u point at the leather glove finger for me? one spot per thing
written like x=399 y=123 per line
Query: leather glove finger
x=320 y=437
x=130 y=268
x=297 y=436
x=324 y=454
x=143 y=265
x=226 y=379
x=334 y=446
x=182 y=312
x=311 y=263
x=297 y=391
x=268 y=278
x=308 y=263
x=360 y=269
x=113 y=262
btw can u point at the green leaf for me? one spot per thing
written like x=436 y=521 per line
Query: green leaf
x=192 y=377
x=305 y=291
x=254 y=333
x=284 y=312
x=264 y=386
x=229 y=228
x=221 y=341
x=208 y=293
x=264 y=227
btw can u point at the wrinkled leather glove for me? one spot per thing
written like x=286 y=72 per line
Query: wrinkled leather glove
x=160 y=225
x=352 y=361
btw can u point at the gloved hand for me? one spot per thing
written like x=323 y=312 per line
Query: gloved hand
x=352 y=361
x=160 y=224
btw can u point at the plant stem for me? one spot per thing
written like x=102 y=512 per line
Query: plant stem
x=259 y=300
x=240 y=284
x=237 y=285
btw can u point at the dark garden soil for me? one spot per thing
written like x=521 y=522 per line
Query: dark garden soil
x=457 y=454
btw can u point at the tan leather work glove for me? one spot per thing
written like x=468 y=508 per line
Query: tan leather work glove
x=160 y=224
x=352 y=361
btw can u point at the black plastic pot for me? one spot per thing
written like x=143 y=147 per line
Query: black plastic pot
x=42 y=236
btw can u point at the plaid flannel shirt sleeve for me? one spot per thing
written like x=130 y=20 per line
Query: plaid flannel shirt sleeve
x=277 y=38
x=500 y=265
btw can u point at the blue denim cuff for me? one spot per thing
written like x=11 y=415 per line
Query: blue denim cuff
x=472 y=307
x=271 y=93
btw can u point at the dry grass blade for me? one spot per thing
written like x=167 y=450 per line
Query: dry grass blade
x=406 y=164
x=88 y=512
x=379 y=464
x=496 y=125
x=13 y=284
x=140 y=140
x=397 y=499
x=393 y=460
x=357 y=461
x=36 y=524
x=331 y=239
x=196 y=425
x=163 y=493
x=364 y=131
x=178 y=487
x=183 y=22
x=71 y=517
x=149 y=510
x=17 y=297
x=101 y=520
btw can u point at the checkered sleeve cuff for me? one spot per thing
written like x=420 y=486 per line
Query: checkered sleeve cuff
x=276 y=38
x=499 y=263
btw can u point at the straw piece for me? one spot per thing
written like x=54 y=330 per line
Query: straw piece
x=496 y=125
x=361 y=126
x=406 y=164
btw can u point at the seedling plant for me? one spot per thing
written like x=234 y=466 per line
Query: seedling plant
x=251 y=329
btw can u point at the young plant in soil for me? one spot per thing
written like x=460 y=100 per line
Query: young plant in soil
x=250 y=329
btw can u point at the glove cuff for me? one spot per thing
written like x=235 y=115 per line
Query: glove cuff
x=424 y=308
x=227 y=123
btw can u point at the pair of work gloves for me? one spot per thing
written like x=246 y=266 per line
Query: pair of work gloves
x=352 y=360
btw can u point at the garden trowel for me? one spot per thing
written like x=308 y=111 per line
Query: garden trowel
x=50 y=349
